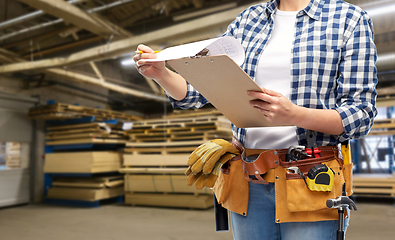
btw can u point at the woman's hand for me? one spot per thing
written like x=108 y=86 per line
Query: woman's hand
x=174 y=84
x=274 y=106
x=153 y=70
x=279 y=110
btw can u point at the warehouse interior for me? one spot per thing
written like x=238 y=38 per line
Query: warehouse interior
x=91 y=149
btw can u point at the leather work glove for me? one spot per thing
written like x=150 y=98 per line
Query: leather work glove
x=204 y=157
x=207 y=180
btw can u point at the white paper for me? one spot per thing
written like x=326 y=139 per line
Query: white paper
x=217 y=46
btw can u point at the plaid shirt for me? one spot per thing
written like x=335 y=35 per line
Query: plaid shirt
x=332 y=63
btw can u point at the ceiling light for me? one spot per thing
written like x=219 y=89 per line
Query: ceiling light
x=383 y=9
x=127 y=62
x=204 y=12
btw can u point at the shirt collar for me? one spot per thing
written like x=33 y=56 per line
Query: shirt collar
x=313 y=10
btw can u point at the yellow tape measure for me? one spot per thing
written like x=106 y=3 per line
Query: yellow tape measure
x=320 y=178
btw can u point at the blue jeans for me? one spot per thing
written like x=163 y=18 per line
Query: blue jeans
x=260 y=221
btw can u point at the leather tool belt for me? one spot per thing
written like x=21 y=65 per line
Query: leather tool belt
x=258 y=164
x=294 y=201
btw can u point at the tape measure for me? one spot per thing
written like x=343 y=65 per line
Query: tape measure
x=320 y=178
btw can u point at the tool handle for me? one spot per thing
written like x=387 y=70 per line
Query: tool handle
x=340 y=235
x=221 y=217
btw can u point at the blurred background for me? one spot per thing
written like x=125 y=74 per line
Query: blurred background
x=87 y=143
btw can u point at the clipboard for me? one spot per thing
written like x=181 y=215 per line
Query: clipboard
x=224 y=84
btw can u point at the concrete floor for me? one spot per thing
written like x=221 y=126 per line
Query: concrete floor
x=373 y=220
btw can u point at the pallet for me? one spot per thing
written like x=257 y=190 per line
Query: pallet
x=79 y=203
x=93 y=182
x=163 y=124
x=85 y=141
x=67 y=111
x=188 y=113
x=84 y=194
x=84 y=135
x=170 y=200
x=374 y=185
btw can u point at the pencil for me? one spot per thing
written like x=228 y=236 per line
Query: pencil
x=140 y=52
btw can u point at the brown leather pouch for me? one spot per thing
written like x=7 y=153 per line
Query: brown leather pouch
x=231 y=188
x=300 y=198
x=296 y=203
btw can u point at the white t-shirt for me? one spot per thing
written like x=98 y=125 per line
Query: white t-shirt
x=274 y=72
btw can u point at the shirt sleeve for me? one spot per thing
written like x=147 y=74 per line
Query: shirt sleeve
x=357 y=81
x=193 y=99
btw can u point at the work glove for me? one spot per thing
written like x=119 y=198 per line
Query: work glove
x=204 y=157
x=207 y=180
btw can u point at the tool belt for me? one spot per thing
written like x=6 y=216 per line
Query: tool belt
x=295 y=202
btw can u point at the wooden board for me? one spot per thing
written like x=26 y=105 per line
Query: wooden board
x=188 y=113
x=155 y=159
x=374 y=185
x=160 y=183
x=84 y=194
x=84 y=135
x=92 y=182
x=82 y=162
x=153 y=170
x=170 y=200
x=86 y=140
x=67 y=111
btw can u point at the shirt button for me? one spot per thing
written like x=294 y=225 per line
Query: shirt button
x=256 y=53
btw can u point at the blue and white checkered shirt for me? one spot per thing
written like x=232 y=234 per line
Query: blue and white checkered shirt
x=333 y=63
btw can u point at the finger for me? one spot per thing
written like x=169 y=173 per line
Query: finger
x=260 y=95
x=200 y=182
x=144 y=48
x=260 y=105
x=188 y=171
x=191 y=179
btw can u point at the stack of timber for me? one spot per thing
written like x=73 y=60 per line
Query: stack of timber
x=374 y=185
x=82 y=162
x=61 y=111
x=155 y=158
x=93 y=132
x=383 y=127
x=86 y=189
x=13 y=155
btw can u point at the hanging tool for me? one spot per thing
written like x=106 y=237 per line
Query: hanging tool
x=296 y=153
x=221 y=217
x=312 y=148
x=341 y=203
x=346 y=152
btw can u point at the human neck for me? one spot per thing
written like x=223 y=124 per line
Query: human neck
x=293 y=5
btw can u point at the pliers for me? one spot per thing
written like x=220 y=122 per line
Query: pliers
x=312 y=148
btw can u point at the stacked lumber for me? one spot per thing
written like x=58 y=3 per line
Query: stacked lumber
x=155 y=158
x=93 y=132
x=82 y=162
x=80 y=154
x=383 y=127
x=374 y=185
x=61 y=111
x=13 y=155
x=87 y=189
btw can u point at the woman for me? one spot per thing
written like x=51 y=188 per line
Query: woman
x=315 y=60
